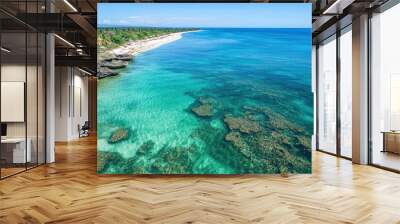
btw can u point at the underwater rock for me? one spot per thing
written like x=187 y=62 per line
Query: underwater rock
x=119 y=165
x=274 y=140
x=174 y=160
x=107 y=64
x=281 y=138
x=124 y=57
x=249 y=108
x=145 y=148
x=204 y=106
x=206 y=100
x=204 y=110
x=281 y=153
x=267 y=143
x=235 y=138
x=119 y=135
x=110 y=57
x=304 y=142
x=244 y=125
x=105 y=159
x=103 y=72
x=278 y=121
x=114 y=64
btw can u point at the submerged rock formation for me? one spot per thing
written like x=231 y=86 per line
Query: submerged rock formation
x=206 y=100
x=235 y=138
x=237 y=141
x=304 y=141
x=174 y=160
x=103 y=72
x=110 y=65
x=145 y=148
x=204 y=110
x=121 y=57
x=204 y=106
x=119 y=135
x=114 y=64
x=280 y=122
x=106 y=159
x=242 y=124
x=124 y=57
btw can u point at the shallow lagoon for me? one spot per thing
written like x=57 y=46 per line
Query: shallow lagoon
x=219 y=101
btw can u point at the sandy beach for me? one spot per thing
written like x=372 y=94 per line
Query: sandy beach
x=136 y=47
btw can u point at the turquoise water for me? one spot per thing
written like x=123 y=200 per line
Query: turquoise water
x=259 y=77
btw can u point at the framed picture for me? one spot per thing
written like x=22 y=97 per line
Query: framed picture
x=204 y=88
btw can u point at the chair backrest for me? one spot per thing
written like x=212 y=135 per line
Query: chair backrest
x=86 y=125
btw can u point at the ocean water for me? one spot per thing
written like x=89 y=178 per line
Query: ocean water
x=259 y=77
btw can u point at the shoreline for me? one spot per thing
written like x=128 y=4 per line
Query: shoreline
x=134 y=48
x=119 y=57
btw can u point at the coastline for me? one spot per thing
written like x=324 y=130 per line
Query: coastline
x=119 y=57
x=134 y=48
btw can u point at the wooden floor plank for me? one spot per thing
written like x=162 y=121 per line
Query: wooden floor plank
x=70 y=191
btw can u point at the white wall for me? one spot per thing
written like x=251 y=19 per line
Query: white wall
x=17 y=72
x=13 y=100
x=80 y=103
x=14 y=72
x=71 y=93
x=33 y=127
x=62 y=82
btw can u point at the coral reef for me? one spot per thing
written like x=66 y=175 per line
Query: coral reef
x=304 y=141
x=203 y=110
x=280 y=122
x=145 y=148
x=204 y=106
x=174 y=160
x=119 y=135
x=236 y=133
x=242 y=124
x=235 y=138
x=106 y=159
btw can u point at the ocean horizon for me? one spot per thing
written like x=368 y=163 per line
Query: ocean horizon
x=220 y=101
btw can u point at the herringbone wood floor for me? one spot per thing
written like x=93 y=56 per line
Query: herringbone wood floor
x=70 y=191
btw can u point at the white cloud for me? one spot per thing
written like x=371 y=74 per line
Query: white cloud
x=106 y=21
x=158 y=21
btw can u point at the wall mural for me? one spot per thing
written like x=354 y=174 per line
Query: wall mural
x=204 y=88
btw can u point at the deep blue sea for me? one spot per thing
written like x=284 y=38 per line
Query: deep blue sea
x=217 y=101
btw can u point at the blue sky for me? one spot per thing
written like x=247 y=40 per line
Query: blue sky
x=245 y=15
